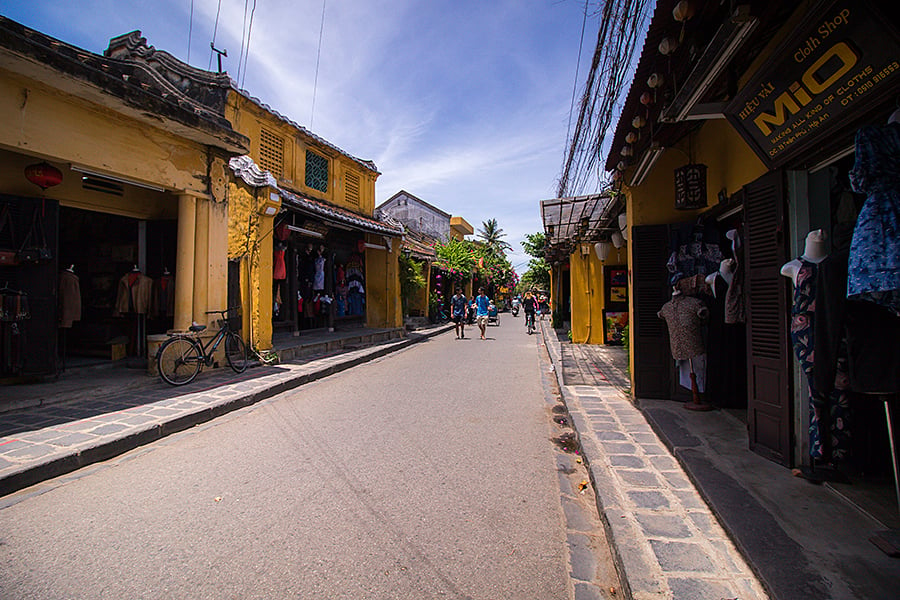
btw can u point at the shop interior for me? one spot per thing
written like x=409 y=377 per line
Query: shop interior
x=125 y=272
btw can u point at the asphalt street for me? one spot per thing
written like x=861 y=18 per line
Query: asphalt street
x=427 y=473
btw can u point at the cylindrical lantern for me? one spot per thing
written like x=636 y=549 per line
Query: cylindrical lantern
x=44 y=175
x=682 y=11
x=668 y=46
x=602 y=250
x=618 y=240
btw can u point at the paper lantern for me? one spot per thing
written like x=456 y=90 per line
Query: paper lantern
x=656 y=80
x=602 y=250
x=626 y=151
x=638 y=122
x=682 y=11
x=646 y=98
x=44 y=175
x=622 y=165
x=623 y=225
x=668 y=46
x=631 y=137
x=618 y=240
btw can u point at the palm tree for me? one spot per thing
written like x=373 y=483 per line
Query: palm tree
x=492 y=236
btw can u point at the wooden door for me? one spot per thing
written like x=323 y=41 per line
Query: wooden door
x=652 y=357
x=769 y=395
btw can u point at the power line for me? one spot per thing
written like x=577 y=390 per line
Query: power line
x=215 y=30
x=318 y=55
x=247 y=54
x=243 y=38
x=577 y=67
x=190 y=31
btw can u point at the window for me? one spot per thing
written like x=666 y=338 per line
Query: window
x=351 y=188
x=271 y=153
x=316 y=171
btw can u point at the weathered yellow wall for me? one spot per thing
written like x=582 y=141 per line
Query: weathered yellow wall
x=248 y=234
x=248 y=118
x=47 y=123
x=587 y=294
x=383 y=285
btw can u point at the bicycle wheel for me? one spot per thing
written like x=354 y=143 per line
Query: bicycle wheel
x=179 y=360
x=235 y=352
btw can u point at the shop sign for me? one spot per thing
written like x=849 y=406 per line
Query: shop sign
x=840 y=60
x=690 y=187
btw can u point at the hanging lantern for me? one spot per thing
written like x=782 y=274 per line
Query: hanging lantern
x=623 y=225
x=638 y=122
x=616 y=175
x=618 y=240
x=646 y=98
x=44 y=175
x=626 y=151
x=631 y=137
x=683 y=11
x=668 y=46
x=602 y=250
x=656 y=80
x=622 y=165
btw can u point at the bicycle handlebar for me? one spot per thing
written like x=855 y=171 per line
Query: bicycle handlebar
x=222 y=312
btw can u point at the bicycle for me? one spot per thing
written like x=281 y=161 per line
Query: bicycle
x=529 y=322
x=181 y=357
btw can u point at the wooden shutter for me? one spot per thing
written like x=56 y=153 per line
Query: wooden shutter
x=652 y=357
x=768 y=360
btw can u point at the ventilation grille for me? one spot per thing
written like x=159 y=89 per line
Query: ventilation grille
x=316 y=171
x=351 y=188
x=271 y=153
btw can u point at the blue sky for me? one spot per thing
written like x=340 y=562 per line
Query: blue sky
x=463 y=103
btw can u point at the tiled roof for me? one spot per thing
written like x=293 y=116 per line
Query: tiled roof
x=251 y=174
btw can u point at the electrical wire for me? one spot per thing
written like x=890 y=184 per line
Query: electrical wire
x=247 y=53
x=318 y=55
x=190 y=31
x=215 y=31
x=577 y=67
x=243 y=39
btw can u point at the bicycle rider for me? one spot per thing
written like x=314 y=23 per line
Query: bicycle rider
x=529 y=305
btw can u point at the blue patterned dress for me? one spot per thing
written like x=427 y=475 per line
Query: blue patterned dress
x=874 y=267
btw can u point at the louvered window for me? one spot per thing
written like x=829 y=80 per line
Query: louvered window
x=351 y=188
x=271 y=153
x=316 y=171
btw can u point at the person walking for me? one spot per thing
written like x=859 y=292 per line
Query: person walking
x=482 y=303
x=458 y=306
x=543 y=306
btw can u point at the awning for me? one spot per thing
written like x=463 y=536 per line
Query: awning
x=568 y=221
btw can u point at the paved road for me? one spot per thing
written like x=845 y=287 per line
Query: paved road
x=425 y=474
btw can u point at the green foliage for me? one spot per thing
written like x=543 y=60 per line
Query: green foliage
x=492 y=236
x=538 y=273
x=456 y=256
x=534 y=244
x=412 y=279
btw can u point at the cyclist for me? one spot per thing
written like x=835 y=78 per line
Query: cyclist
x=529 y=305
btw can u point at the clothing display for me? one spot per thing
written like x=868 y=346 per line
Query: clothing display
x=695 y=251
x=726 y=373
x=69 y=299
x=163 y=302
x=279 y=270
x=319 y=274
x=874 y=263
x=134 y=294
x=685 y=316
x=828 y=413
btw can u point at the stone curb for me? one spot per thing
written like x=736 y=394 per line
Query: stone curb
x=61 y=464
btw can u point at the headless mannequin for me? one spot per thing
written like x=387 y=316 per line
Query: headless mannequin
x=726 y=271
x=813 y=251
x=895 y=117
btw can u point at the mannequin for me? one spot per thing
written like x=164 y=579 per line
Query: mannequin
x=813 y=251
x=685 y=317
x=726 y=272
x=319 y=275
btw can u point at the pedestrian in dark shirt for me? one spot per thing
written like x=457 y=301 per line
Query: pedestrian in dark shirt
x=458 y=305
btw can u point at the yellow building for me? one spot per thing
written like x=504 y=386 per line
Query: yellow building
x=728 y=159
x=302 y=232
x=138 y=147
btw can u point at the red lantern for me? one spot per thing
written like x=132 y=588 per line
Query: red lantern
x=44 y=175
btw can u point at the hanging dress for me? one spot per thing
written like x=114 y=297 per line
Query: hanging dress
x=874 y=268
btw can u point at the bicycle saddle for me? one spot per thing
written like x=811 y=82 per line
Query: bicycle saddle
x=197 y=327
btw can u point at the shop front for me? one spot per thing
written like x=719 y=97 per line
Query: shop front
x=106 y=240
x=742 y=297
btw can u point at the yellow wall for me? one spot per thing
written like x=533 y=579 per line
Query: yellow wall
x=587 y=295
x=383 y=285
x=249 y=119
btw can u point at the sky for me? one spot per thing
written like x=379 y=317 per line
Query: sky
x=464 y=103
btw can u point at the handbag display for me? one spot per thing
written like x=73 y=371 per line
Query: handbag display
x=8 y=254
x=36 y=251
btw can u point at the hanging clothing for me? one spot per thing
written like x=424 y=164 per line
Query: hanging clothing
x=860 y=334
x=685 y=316
x=69 y=299
x=279 y=270
x=134 y=293
x=695 y=251
x=726 y=372
x=829 y=414
x=874 y=265
x=163 y=302
x=319 y=276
